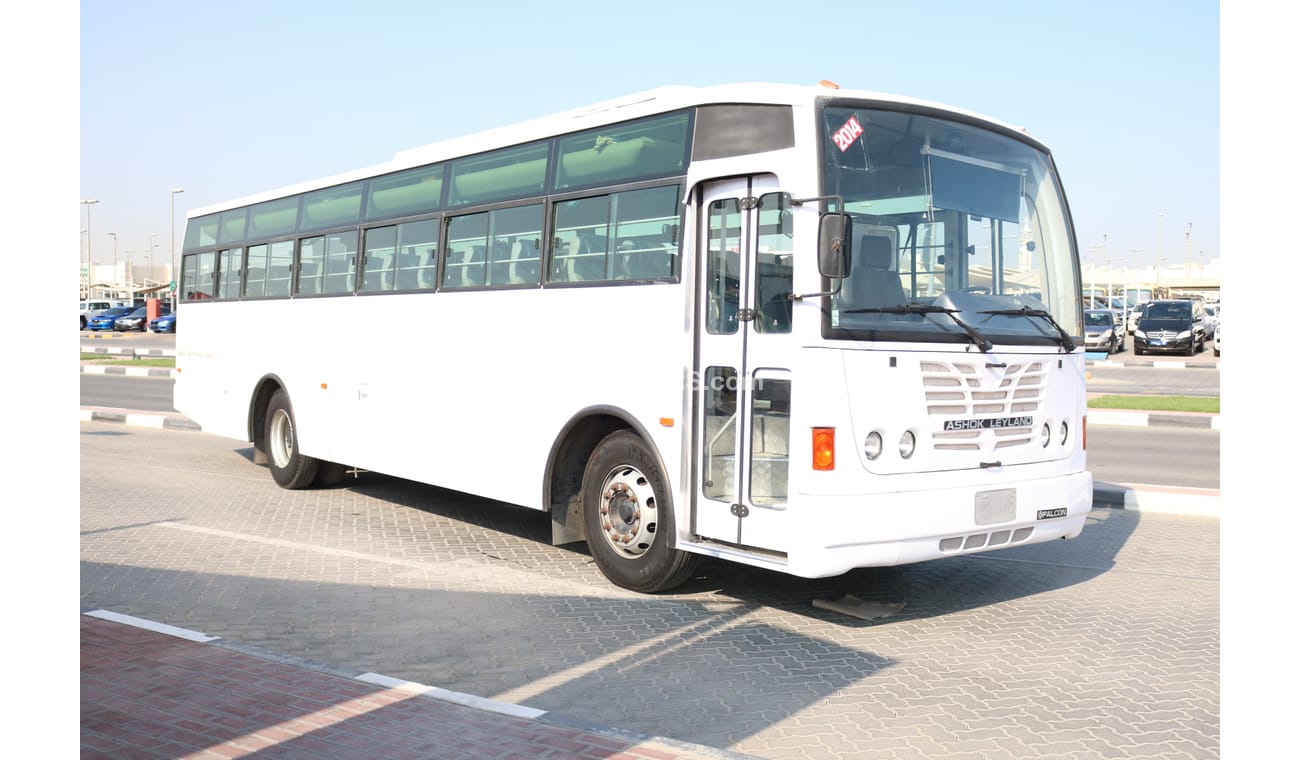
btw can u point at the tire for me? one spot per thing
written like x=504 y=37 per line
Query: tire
x=290 y=467
x=330 y=474
x=627 y=512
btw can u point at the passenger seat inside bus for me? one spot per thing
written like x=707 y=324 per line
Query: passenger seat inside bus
x=872 y=284
x=524 y=261
x=308 y=283
x=589 y=262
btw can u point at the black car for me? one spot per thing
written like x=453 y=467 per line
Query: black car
x=137 y=320
x=1177 y=326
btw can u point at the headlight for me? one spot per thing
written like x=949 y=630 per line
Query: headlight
x=1140 y=334
x=873 y=445
x=907 y=444
x=1065 y=431
x=1045 y=435
x=1106 y=335
x=1185 y=334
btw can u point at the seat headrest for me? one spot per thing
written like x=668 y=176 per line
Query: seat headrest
x=877 y=251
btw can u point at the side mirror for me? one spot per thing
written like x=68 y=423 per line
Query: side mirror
x=834 y=246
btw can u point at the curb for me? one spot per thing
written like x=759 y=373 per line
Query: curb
x=1101 y=361
x=159 y=420
x=647 y=744
x=100 y=369
x=1147 y=498
x=116 y=351
x=1127 y=418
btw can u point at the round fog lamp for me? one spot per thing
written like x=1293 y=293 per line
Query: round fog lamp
x=1065 y=431
x=874 y=445
x=907 y=444
x=1045 y=436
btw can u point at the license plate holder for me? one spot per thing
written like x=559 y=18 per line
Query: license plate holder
x=997 y=506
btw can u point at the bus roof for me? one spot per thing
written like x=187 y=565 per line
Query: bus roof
x=645 y=103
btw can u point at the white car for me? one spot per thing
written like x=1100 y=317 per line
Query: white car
x=1134 y=315
x=1218 y=332
x=94 y=308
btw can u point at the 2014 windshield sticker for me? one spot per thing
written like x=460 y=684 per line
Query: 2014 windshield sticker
x=989 y=423
x=847 y=134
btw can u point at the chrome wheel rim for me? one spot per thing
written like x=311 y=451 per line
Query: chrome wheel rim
x=629 y=512
x=280 y=438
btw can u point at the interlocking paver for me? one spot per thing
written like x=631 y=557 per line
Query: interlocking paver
x=1074 y=649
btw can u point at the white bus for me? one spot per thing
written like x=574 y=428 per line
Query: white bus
x=801 y=328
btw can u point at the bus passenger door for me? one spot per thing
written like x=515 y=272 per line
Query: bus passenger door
x=742 y=382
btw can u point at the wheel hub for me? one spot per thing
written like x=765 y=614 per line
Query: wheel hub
x=627 y=512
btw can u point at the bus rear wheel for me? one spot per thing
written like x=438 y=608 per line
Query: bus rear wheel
x=290 y=467
x=628 y=516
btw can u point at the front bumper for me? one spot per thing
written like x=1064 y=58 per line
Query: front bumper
x=1171 y=344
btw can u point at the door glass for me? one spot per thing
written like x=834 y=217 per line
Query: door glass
x=723 y=276
x=774 y=281
x=769 y=454
x=720 y=435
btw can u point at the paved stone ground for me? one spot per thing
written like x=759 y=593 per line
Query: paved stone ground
x=1102 y=647
x=148 y=694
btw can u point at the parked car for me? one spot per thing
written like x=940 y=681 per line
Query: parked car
x=1218 y=330
x=94 y=308
x=105 y=319
x=1211 y=319
x=137 y=320
x=1173 y=325
x=1102 y=332
x=1135 y=315
x=163 y=324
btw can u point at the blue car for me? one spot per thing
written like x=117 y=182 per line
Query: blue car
x=105 y=319
x=163 y=324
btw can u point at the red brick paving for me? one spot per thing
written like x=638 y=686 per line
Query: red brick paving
x=146 y=694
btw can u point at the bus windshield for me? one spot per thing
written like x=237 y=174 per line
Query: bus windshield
x=954 y=227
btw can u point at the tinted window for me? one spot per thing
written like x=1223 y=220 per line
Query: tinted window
x=334 y=207
x=414 y=191
x=500 y=175
x=624 y=152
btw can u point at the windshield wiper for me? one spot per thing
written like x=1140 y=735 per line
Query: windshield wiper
x=985 y=345
x=1066 y=341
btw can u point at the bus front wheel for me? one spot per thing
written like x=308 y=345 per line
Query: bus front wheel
x=289 y=466
x=628 y=516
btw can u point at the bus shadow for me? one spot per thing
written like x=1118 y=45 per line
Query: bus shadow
x=907 y=592
x=929 y=589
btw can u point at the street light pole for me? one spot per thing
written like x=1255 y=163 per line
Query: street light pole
x=175 y=276
x=148 y=257
x=114 y=236
x=88 y=203
x=1187 y=258
x=1160 y=235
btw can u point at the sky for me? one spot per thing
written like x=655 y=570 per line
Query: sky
x=225 y=99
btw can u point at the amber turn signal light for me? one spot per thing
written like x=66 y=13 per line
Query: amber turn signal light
x=823 y=440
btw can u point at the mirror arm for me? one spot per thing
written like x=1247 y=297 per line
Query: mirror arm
x=839 y=284
x=800 y=201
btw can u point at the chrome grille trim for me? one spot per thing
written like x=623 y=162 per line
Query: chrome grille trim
x=959 y=390
x=981 y=540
